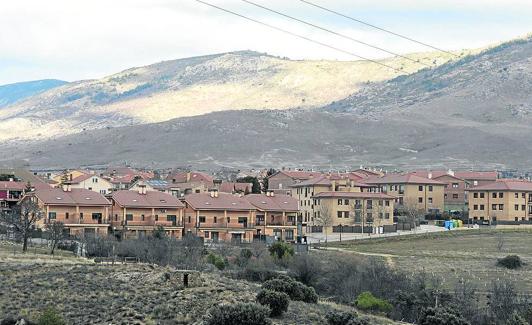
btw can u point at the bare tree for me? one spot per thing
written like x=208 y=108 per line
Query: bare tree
x=500 y=241
x=411 y=212
x=22 y=218
x=56 y=233
x=324 y=218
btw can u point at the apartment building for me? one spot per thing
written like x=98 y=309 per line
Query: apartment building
x=412 y=191
x=138 y=213
x=83 y=212
x=92 y=182
x=282 y=181
x=354 y=208
x=276 y=215
x=191 y=182
x=218 y=216
x=505 y=201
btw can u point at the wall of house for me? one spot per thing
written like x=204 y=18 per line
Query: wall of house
x=344 y=214
x=488 y=208
x=96 y=184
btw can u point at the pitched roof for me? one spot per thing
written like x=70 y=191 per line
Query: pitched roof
x=81 y=178
x=315 y=181
x=466 y=175
x=77 y=196
x=505 y=185
x=354 y=195
x=409 y=178
x=273 y=203
x=152 y=199
x=224 y=201
x=230 y=187
x=16 y=186
x=181 y=177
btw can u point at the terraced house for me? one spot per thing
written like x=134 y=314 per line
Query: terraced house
x=83 y=212
x=412 y=191
x=504 y=201
x=276 y=215
x=365 y=209
x=218 y=216
x=139 y=213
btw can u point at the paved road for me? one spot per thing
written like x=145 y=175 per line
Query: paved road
x=334 y=237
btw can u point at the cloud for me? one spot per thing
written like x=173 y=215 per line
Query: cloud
x=89 y=39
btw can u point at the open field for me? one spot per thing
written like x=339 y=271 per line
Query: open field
x=88 y=293
x=455 y=255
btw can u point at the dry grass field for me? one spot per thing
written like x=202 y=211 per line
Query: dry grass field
x=88 y=293
x=455 y=255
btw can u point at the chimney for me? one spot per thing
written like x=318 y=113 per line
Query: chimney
x=67 y=188
x=188 y=177
x=430 y=175
x=450 y=172
x=10 y=179
x=333 y=185
x=213 y=192
x=70 y=176
x=270 y=193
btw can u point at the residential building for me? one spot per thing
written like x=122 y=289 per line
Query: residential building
x=281 y=181
x=83 y=212
x=158 y=185
x=505 y=201
x=191 y=182
x=235 y=188
x=138 y=213
x=276 y=215
x=10 y=193
x=354 y=208
x=455 y=195
x=92 y=182
x=218 y=216
x=412 y=191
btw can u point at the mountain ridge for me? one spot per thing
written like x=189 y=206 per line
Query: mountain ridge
x=15 y=92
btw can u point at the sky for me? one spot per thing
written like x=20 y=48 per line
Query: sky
x=74 y=39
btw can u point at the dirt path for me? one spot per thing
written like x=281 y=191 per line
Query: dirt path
x=389 y=258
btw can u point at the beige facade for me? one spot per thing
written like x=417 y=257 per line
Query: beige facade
x=220 y=225
x=141 y=222
x=93 y=183
x=501 y=202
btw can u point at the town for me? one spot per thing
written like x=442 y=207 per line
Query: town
x=282 y=205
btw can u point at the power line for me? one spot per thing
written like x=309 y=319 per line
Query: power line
x=297 y=35
x=333 y=32
x=379 y=28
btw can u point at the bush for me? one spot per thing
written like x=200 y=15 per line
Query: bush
x=510 y=262
x=281 y=249
x=294 y=289
x=277 y=301
x=367 y=301
x=337 y=317
x=216 y=260
x=51 y=316
x=440 y=316
x=241 y=313
x=516 y=319
x=243 y=259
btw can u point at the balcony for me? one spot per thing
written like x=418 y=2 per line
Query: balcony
x=150 y=221
x=233 y=225
x=78 y=221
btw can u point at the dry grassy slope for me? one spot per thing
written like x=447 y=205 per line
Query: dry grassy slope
x=195 y=86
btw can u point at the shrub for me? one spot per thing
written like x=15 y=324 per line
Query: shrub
x=440 y=316
x=244 y=257
x=277 y=301
x=51 y=316
x=510 y=262
x=281 y=249
x=516 y=319
x=241 y=313
x=337 y=317
x=216 y=260
x=367 y=301
x=294 y=289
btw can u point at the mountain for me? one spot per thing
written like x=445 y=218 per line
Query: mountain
x=473 y=112
x=12 y=93
x=195 y=86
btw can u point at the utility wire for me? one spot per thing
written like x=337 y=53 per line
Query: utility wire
x=333 y=32
x=379 y=28
x=298 y=35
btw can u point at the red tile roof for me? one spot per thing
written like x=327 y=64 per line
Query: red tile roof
x=16 y=186
x=315 y=181
x=409 y=178
x=277 y=202
x=467 y=175
x=152 y=199
x=80 y=178
x=224 y=201
x=77 y=196
x=505 y=185
x=181 y=177
x=230 y=187
x=354 y=195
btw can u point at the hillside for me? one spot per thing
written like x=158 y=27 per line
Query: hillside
x=12 y=93
x=471 y=113
x=194 y=86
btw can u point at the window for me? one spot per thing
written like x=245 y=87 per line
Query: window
x=156 y=217
x=188 y=219
x=369 y=204
x=381 y=215
x=475 y=195
x=129 y=217
x=387 y=203
x=481 y=195
x=430 y=200
x=142 y=217
x=455 y=196
x=501 y=195
x=228 y=219
x=420 y=200
x=94 y=180
x=346 y=214
x=482 y=207
x=494 y=206
x=381 y=203
x=66 y=215
x=387 y=215
x=455 y=185
x=346 y=202
x=475 y=207
x=215 y=219
x=501 y=207
x=339 y=214
x=96 y=216
x=52 y=215
x=523 y=207
x=81 y=216
x=102 y=192
x=201 y=219
x=516 y=207
x=430 y=188
x=369 y=217
x=494 y=195
x=340 y=201
x=358 y=216
x=516 y=195
x=206 y=234
x=116 y=217
x=420 y=188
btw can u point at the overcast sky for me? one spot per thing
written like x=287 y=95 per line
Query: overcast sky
x=75 y=39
